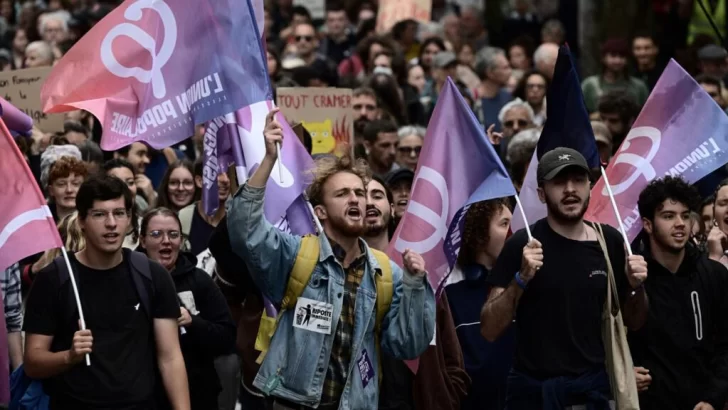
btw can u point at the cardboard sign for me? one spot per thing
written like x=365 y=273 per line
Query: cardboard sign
x=22 y=89
x=393 y=11
x=326 y=114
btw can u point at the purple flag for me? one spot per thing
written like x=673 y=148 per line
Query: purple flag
x=458 y=166
x=681 y=131
x=152 y=69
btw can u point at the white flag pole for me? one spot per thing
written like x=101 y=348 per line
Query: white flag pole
x=616 y=212
x=75 y=294
x=523 y=215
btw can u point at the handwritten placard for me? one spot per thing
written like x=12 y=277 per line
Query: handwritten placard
x=393 y=11
x=22 y=89
x=326 y=114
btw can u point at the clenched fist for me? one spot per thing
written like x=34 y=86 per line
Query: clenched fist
x=636 y=270
x=532 y=260
x=273 y=134
x=413 y=262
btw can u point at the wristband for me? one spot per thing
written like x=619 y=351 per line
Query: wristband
x=521 y=284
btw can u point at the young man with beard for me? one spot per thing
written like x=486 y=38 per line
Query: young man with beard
x=379 y=214
x=555 y=286
x=682 y=345
x=336 y=356
x=130 y=338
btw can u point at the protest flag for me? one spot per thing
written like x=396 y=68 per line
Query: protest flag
x=151 y=70
x=17 y=121
x=681 y=131
x=567 y=125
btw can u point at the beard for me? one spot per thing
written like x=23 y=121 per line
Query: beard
x=359 y=125
x=348 y=228
x=376 y=228
x=562 y=217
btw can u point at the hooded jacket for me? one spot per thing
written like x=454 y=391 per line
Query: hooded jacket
x=211 y=333
x=684 y=342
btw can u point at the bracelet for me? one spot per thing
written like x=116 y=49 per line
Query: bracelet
x=521 y=284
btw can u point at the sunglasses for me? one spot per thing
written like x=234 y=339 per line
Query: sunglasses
x=306 y=38
x=409 y=150
x=511 y=123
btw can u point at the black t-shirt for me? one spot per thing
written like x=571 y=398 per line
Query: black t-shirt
x=200 y=232
x=123 y=362
x=559 y=315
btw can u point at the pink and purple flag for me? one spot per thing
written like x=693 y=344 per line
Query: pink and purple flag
x=17 y=121
x=681 y=131
x=458 y=166
x=152 y=69
x=567 y=125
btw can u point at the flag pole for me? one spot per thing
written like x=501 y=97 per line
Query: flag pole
x=75 y=294
x=525 y=221
x=616 y=212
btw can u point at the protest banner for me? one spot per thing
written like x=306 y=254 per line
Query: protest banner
x=324 y=112
x=21 y=88
x=392 y=11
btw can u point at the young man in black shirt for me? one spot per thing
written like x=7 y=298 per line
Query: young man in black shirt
x=684 y=342
x=555 y=286
x=132 y=332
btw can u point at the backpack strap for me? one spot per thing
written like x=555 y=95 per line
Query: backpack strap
x=141 y=271
x=306 y=260
x=385 y=291
x=185 y=220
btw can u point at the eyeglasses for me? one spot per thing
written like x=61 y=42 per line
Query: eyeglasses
x=188 y=183
x=511 y=123
x=536 y=86
x=409 y=150
x=305 y=38
x=118 y=214
x=158 y=235
x=368 y=107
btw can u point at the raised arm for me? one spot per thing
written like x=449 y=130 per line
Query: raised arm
x=268 y=252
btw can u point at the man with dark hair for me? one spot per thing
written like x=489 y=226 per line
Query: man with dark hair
x=307 y=46
x=379 y=214
x=713 y=86
x=339 y=42
x=137 y=153
x=645 y=50
x=399 y=183
x=682 y=346
x=129 y=303
x=558 y=300
x=618 y=110
x=380 y=141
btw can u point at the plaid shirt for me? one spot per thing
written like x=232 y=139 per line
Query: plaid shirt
x=341 y=349
x=10 y=283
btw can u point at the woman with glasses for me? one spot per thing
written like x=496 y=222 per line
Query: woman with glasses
x=177 y=189
x=411 y=139
x=206 y=326
x=532 y=89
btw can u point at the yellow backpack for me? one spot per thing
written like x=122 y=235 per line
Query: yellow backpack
x=306 y=260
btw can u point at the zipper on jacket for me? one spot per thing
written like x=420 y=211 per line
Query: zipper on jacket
x=695 y=299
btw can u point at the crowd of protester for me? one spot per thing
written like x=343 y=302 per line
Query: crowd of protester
x=179 y=323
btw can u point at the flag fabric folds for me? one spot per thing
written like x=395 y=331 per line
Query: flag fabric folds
x=151 y=70
x=681 y=131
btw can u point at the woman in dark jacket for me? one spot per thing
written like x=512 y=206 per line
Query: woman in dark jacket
x=206 y=326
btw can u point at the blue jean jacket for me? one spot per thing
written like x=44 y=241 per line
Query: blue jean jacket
x=296 y=363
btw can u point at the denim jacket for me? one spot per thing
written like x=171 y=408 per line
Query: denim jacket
x=296 y=363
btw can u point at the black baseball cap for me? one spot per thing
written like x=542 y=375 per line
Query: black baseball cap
x=399 y=175
x=557 y=160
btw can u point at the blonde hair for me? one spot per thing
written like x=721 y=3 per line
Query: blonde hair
x=71 y=236
x=328 y=166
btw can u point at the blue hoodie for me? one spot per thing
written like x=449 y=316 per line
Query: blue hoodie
x=487 y=363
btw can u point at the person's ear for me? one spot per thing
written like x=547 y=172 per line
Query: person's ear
x=647 y=226
x=198 y=181
x=541 y=195
x=320 y=212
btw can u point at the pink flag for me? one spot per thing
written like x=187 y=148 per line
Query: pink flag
x=152 y=69
x=26 y=224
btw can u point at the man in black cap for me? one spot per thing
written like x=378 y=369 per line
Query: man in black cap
x=713 y=61
x=556 y=284
x=399 y=183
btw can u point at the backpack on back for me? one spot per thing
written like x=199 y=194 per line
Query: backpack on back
x=303 y=267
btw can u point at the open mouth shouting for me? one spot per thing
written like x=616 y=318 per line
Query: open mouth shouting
x=354 y=213
x=373 y=214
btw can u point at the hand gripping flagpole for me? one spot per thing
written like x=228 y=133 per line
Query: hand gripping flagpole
x=76 y=296
x=616 y=212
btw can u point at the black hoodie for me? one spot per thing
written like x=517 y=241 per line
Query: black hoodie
x=684 y=342
x=211 y=333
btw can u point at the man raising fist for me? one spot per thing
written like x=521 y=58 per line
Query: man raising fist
x=329 y=361
x=555 y=286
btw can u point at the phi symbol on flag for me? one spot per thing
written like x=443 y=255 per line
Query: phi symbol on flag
x=642 y=166
x=134 y=13
x=425 y=212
